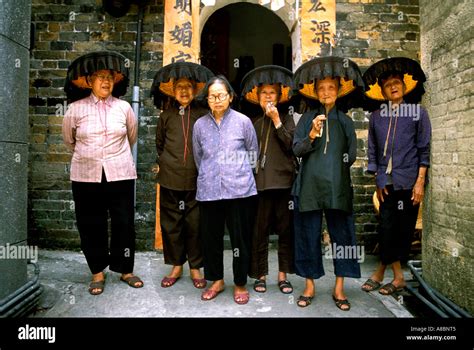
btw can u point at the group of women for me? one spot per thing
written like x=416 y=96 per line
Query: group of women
x=220 y=170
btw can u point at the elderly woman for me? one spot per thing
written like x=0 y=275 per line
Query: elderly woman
x=325 y=139
x=177 y=178
x=270 y=87
x=100 y=130
x=225 y=148
x=399 y=156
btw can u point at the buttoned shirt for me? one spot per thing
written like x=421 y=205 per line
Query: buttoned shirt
x=100 y=133
x=225 y=154
x=174 y=146
x=408 y=143
x=276 y=164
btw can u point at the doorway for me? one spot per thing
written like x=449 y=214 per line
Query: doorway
x=241 y=36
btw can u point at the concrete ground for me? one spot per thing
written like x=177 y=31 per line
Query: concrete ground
x=65 y=278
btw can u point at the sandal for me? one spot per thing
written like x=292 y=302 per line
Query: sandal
x=241 y=298
x=199 y=282
x=260 y=286
x=132 y=281
x=370 y=285
x=285 y=284
x=390 y=288
x=210 y=294
x=169 y=281
x=97 y=285
x=342 y=302
x=304 y=301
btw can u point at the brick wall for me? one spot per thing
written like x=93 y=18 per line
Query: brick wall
x=367 y=31
x=448 y=219
x=65 y=30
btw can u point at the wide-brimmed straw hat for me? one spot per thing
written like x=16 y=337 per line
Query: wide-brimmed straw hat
x=77 y=87
x=267 y=75
x=410 y=70
x=320 y=68
x=163 y=83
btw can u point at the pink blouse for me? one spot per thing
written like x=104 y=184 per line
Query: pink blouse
x=100 y=134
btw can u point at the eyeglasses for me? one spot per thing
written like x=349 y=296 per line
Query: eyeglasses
x=220 y=97
x=102 y=77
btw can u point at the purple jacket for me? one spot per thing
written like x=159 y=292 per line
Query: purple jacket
x=411 y=146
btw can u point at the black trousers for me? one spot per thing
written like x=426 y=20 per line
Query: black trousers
x=238 y=215
x=397 y=223
x=273 y=216
x=94 y=202
x=179 y=218
x=308 y=253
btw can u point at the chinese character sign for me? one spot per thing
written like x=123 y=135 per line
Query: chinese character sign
x=181 y=36
x=318 y=26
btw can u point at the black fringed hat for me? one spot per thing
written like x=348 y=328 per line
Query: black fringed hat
x=270 y=75
x=319 y=68
x=167 y=75
x=77 y=87
x=410 y=70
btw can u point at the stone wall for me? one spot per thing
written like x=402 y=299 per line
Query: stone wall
x=448 y=237
x=367 y=32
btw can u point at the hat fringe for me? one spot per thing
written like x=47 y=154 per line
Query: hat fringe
x=328 y=67
x=267 y=75
x=76 y=86
x=163 y=83
x=413 y=77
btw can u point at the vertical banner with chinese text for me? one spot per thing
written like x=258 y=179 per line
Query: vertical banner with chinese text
x=318 y=25
x=181 y=37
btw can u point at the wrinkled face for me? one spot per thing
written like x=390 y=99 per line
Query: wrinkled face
x=102 y=83
x=393 y=88
x=327 y=90
x=267 y=94
x=184 y=91
x=218 y=98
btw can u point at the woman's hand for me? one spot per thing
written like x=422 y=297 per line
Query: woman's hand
x=272 y=112
x=381 y=192
x=418 y=191
x=317 y=125
x=155 y=169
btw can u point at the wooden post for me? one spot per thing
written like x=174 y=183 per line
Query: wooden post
x=158 y=237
